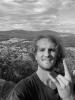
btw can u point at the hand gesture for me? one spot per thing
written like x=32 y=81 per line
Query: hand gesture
x=63 y=83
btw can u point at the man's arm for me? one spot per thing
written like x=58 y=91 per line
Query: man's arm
x=18 y=92
x=13 y=96
x=64 y=84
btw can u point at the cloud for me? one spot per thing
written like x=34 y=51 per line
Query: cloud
x=40 y=14
x=12 y=2
x=8 y=1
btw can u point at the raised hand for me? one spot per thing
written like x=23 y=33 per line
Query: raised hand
x=63 y=83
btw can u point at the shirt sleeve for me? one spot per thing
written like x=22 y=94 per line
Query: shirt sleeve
x=18 y=92
x=13 y=96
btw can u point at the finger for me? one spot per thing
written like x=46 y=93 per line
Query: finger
x=67 y=74
x=62 y=85
x=53 y=80
x=63 y=79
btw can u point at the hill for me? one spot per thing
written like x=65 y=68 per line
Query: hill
x=67 y=38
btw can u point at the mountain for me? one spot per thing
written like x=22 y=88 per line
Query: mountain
x=23 y=34
x=67 y=38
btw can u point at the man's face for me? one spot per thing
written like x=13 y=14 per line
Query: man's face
x=46 y=54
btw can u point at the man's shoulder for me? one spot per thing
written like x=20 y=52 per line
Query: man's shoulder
x=30 y=78
x=26 y=81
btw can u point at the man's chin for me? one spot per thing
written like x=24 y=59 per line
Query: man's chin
x=48 y=68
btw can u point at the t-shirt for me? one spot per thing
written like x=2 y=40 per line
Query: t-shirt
x=32 y=88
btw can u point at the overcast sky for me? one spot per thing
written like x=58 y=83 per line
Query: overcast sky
x=56 y=15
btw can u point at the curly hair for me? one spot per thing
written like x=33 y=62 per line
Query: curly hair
x=58 y=43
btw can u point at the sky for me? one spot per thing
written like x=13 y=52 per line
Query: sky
x=57 y=15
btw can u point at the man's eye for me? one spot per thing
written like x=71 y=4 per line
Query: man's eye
x=52 y=50
x=42 y=49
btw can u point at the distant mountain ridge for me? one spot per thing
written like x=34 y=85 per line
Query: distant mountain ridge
x=24 y=34
x=67 y=38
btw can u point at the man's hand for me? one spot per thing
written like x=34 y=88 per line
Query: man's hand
x=63 y=83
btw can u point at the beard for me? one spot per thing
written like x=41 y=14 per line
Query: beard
x=50 y=67
x=54 y=68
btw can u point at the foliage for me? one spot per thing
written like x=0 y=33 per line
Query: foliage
x=17 y=60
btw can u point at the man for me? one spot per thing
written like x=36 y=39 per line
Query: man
x=45 y=83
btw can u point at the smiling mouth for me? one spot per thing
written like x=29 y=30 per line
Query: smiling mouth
x=47 y=59
x=50 y=58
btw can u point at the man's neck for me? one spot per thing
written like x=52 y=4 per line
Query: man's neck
x=42 y=74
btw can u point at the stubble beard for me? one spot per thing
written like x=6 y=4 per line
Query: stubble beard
x=50 y=68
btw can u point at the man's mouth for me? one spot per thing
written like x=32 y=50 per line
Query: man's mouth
x=48 y=59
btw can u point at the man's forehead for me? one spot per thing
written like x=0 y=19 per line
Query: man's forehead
x=45 y=42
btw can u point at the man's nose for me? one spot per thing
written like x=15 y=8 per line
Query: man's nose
x=47 y=53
